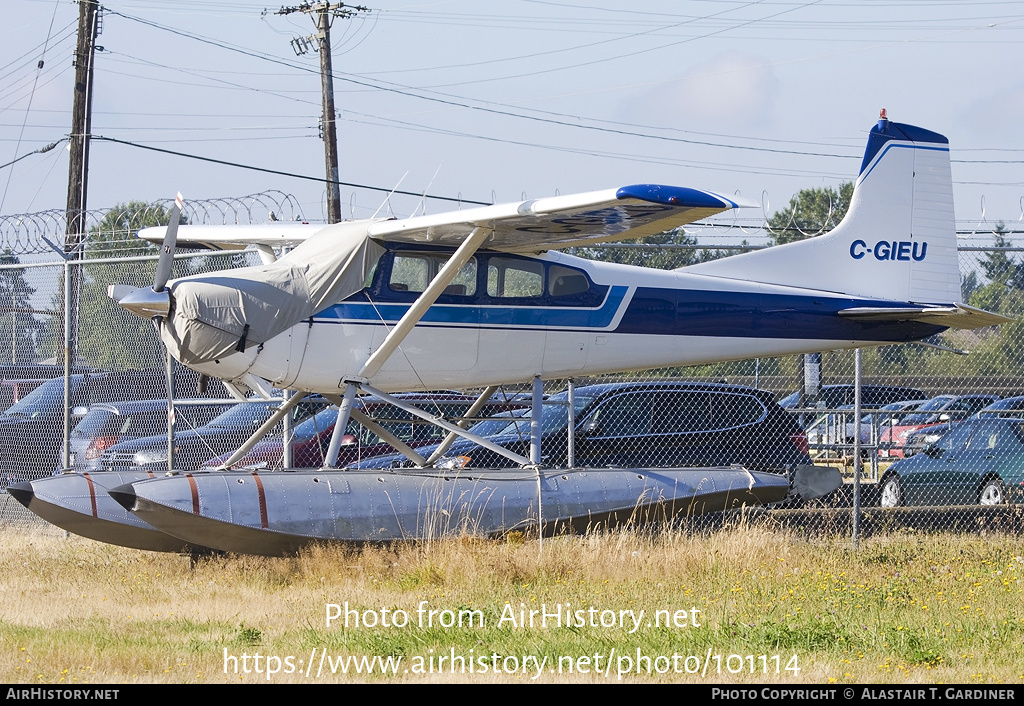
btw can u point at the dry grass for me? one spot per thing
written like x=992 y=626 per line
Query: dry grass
x=904 y=608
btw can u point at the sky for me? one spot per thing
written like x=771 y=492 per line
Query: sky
x=496 y=102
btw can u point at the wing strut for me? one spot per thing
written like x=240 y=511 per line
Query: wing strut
x=263 y=430
x=452 y=436
x=388 y=437
x=412 y=317
x=438 y=421
x=331 y=460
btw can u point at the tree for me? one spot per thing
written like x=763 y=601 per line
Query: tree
x=664 y=251
x=811 y=212
x=108 y=336
x=998 y=266
x=18 y=327
x=1005 y=275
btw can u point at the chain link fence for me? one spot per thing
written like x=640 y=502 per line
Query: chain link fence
x=925 y=453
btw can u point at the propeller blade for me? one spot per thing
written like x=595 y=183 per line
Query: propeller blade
x=163 y=265
x=117 y=292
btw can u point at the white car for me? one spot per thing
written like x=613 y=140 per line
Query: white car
x=836 y=428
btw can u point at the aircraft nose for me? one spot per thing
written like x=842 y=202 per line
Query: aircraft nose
x=143 y=301
x=124 y=495
x=22 y=492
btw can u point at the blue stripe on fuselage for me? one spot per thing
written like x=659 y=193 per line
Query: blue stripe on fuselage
x=546 y=317
x=671 y=312
x=682 y=312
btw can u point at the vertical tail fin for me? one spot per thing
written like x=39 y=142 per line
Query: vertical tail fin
x=897 y=241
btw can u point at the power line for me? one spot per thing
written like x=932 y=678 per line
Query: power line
x=28 y=108
x=459 y=102
x=554 y=118
x=41 y=150
x=326 y=12
x=288 y=174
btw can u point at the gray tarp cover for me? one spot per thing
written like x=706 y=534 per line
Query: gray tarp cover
x=211 y=311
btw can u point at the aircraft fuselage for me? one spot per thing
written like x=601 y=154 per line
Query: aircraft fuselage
x=509 y=318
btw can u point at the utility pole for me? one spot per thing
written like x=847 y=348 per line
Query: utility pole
x=325 y=13
x=78 y=163
x=81 y=121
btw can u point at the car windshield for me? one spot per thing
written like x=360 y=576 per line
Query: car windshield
x=956 y=438
x=97 y=422
x=244 y=415
x=926 y=411
x=397 y=421
x=887 y=413
x=555 y=415
x=316 y=424
x=492 y=427
x=790 y=400
x=46 y=398
x=1008 y=405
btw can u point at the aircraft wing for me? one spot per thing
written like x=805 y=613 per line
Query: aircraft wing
x=236 y=237
x=956 y=316
x=529 y=226
x=563 y=221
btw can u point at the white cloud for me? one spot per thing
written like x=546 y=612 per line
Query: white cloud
x=996 y=117
x=730 y=89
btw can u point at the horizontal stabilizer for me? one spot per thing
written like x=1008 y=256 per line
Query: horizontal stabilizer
x=956 y=316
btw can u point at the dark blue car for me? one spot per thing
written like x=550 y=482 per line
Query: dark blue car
x=634 y=425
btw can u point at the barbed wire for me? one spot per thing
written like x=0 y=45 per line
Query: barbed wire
x=29 y=233
x=33 y=233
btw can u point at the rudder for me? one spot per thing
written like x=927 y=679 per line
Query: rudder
x=896 y=242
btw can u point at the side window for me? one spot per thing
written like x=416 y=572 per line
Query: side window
x=464 y=284
x=625 y=415
x=991 y=436
x=412 y=272
x=514 y=278
x=563 y=282
x=152 y=423
x=682 y=412
x=977 y=403
x=733 y=410
x=1015 y=434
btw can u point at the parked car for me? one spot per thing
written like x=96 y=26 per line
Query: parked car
x=311 y=438
x=192 y=447
x=938 y=410
x=32 y=430
x=648 y=425
x=107 y=423
x=837 y=428
x=917 y=440
x=17 y=380
x=871 y=396
x=977 y=461
x=1006 y=407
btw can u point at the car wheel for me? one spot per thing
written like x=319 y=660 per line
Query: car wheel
x=993 y=492
x=891 y=494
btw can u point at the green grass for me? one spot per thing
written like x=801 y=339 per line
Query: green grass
x=903 y=608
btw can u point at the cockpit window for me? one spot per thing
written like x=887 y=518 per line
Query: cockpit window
x=563 y=282
x=412 y=272
x=507 y=277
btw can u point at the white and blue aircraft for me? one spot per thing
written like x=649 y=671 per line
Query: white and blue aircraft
x=483 y=297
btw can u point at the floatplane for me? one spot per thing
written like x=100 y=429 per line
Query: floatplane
x=484 y=297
